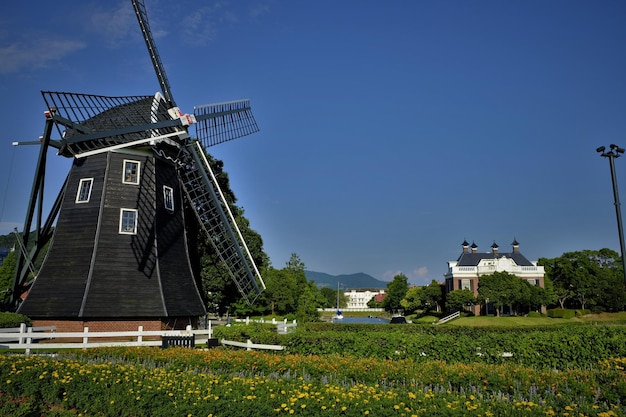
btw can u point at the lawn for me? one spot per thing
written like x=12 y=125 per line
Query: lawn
x=517 y=321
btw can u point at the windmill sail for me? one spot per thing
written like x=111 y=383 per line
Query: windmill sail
x=218 y=222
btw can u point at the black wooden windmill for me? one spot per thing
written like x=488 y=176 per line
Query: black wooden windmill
x=119 y=248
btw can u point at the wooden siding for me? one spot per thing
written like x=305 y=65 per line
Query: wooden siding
x=182 y=297
x=60 y=285
x=93 y=271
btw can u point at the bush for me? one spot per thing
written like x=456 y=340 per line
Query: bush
x=9 y=320
x=561 y=313
x=535 y=314
x=581 y=312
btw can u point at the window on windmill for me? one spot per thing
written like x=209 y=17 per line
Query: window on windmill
x=84 y=190
x=128 y=221
x=168 y=198
x=131 y=172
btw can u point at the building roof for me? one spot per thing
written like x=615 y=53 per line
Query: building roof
x=473 y=259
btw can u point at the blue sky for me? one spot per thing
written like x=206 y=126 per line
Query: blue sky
x=390 y=131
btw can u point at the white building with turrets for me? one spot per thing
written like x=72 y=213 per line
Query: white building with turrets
x=465 y=272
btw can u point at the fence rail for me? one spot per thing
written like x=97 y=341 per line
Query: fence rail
x=249 y=345
x=28 y=338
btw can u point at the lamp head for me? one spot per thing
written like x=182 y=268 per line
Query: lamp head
x=600 y=149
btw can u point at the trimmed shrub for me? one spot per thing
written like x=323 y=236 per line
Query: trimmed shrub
x=10 y=320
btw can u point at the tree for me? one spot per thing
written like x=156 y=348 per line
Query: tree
x=433 y=296
x=424 y=298
x=587 y=278
x=7 y=272
x=457 y=300
x=498 y=289
x=413 y=299
x=282 y=292
x=330 y=298
x=295 y=264
x=396 y=290
x=308 y=303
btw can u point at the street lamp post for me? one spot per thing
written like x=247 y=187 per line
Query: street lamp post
x=615 y=152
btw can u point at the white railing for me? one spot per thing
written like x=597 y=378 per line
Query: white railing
x=28 y=338
x=282 y=327
x=452 y=316
x=249 y=345
x=493 y=268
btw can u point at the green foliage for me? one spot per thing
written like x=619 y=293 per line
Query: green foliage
x=561 y=313
x=330 y=298
x=424 y=298
x=504 y=289
x=553 y=347
x=11 y=320
x=308 y=302
x=396 y=290
x=587 y=279
x=7 y=274
x=456 y=300
x=219 y=382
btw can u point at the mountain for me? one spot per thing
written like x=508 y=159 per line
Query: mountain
x=351 y=281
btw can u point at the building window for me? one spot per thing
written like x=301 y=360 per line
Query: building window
x=128 y=221
x=466 y=284
x=84 y=190
x=533 y=282
x=168 y=198
x=131 y=172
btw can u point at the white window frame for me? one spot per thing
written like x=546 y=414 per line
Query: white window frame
x=81 y=184
x=168 y=198
x=130 y=161
x=127 y=231
x=466 y=284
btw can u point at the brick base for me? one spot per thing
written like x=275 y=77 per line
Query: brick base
x=107 y=325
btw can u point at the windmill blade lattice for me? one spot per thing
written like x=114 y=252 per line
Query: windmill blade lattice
x=95 y=122
x=210 y=206
x=221 y=122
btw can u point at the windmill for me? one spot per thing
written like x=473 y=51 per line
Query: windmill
x=119 y=248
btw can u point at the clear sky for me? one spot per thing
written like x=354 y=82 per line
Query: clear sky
x=390 y=131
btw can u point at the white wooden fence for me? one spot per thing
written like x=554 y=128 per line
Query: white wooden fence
x=282 y=327
x=27 y=338
x=35 y=338
x=249 y=345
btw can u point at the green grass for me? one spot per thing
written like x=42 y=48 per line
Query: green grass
x=516 y=321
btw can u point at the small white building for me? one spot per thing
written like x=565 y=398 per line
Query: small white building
x=358 y=298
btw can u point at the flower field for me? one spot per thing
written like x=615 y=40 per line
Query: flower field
x=232 y=383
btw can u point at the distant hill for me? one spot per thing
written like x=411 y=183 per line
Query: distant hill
x=351 y=281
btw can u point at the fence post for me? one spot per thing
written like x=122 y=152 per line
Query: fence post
x=247 y=320
x=140 y=336
x=210 y=330
x=22 y=330
x=86 y=337
x=188 y=329
x=249 y=343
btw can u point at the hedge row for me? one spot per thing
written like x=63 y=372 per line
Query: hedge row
x=555 y=347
